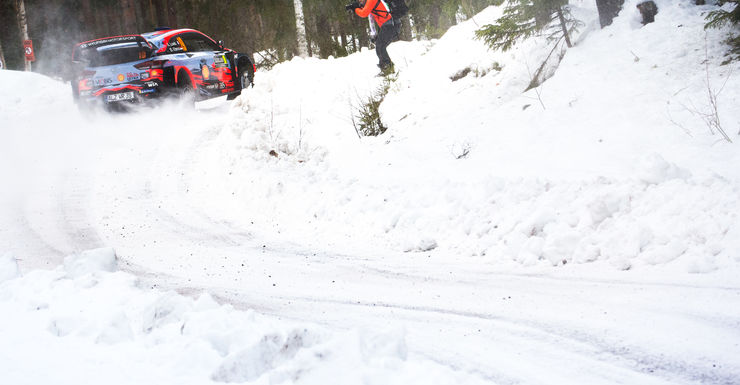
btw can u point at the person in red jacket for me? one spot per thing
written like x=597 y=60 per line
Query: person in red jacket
x=390 y=29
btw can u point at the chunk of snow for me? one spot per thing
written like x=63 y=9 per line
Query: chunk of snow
x=654 y=169
x=91 y=261
x=8 y=268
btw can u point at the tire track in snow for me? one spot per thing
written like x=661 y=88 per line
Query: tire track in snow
x=75 y=219
x=585 y=346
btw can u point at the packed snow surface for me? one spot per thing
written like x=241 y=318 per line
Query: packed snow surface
x=585 y=231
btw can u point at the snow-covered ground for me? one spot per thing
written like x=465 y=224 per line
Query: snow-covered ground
x=587 y=235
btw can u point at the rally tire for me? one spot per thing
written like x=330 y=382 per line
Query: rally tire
x=184 y=89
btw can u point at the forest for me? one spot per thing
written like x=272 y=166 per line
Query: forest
x=266 y=29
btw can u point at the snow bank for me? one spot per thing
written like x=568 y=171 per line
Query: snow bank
x=103 y=327
x=600 y=166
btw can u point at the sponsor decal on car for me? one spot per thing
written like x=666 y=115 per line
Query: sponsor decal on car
x=177 y=45
x=221 y=61
x=215 y=86
x=117 y=39
x=102 y=81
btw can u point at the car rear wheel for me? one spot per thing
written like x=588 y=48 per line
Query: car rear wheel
x=184 y=88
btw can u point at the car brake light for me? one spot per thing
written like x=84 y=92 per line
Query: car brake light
x=255 y=67
x=151 y=64
x=84 y=84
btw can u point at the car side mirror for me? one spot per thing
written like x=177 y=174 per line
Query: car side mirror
x=221 y=44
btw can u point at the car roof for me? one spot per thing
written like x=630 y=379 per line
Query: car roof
x=157 y=39
x=160 y=38
x=162 y=35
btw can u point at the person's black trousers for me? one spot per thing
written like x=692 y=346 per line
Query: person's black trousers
x=389 y=32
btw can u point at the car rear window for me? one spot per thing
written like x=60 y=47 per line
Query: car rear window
x=113 y=54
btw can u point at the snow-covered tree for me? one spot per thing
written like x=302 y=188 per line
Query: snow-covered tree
x=722 y=17
x=526 y=18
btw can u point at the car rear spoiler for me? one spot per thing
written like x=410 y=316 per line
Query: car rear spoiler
x=109 y=41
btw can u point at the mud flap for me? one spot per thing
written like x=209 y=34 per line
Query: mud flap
x=234 y=68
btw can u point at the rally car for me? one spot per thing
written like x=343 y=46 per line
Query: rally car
x=119 y=70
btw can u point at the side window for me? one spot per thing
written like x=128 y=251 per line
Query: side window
x=176 y=44
x=195 y=42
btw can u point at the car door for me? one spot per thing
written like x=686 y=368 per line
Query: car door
x=210 y=66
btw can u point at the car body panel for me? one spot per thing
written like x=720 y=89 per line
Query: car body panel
x=134 y=68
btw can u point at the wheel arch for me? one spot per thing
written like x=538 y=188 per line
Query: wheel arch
x=244 y=62
x=181 y=71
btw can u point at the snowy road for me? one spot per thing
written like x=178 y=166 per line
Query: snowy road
x=530 y=327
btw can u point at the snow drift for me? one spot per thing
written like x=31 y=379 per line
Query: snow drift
x=88 y=323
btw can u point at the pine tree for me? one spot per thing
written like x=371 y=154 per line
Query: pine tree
x=527 y=18
x=720 y=18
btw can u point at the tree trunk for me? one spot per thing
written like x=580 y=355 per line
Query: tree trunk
x=114 y=20
x=188 y=16
x=434 y=21
x=564 y=27
x=171 y=9
x=300 y=27
x=362 y=38
x=608 y=10
x=150 y=18
x=342 y=37
x=129 y=16
x=406 y=31
x=23 y=25
x=159 y=9
x=89 y=20
x=2 y=58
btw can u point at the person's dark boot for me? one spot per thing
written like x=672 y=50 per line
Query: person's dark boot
x=386 y=69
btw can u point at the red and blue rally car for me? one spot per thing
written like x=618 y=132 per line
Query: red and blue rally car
x=134 y=68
